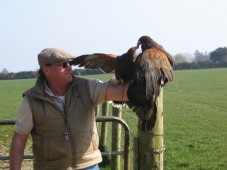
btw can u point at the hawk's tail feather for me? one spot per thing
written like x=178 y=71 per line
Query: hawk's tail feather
x=147 y=115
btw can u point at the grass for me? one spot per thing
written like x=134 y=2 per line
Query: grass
x=195 y=118
x=11 y=95
x=195 y=122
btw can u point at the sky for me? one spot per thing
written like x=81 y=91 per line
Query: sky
x=106 y=26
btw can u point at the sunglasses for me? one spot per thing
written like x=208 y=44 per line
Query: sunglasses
x=65 y=64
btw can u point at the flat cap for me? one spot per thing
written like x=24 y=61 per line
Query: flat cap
x=53 y=56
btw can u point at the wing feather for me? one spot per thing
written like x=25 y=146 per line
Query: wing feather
x=157 y=68
x=105 y=62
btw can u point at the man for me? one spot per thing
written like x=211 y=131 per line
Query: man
x=58 y=112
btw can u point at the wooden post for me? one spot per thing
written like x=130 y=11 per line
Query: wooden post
x=105 y=110
x=150 y=144
x=102 y=144
x=116 y=140
x=135 y=154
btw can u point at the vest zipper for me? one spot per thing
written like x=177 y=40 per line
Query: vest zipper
x=68 y=136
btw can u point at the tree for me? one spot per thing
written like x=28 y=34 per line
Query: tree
x=200 y=57
x=4 y=71
x=219 y=55
x=182 y=58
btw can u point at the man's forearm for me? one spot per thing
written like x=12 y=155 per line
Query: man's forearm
x=116 y=92
x=17 y=151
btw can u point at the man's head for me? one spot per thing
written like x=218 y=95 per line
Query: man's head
x=50 y=56
x=55 y=64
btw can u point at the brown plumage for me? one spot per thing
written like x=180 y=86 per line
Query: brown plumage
x=154 y=68
x=151 y=70
x=122 y=66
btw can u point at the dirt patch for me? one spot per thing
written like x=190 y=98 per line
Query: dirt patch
x=4 y=151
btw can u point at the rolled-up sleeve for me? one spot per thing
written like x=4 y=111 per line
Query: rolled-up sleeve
x=97 y=90
x=24 y=122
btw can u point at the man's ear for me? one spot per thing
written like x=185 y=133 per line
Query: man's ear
x=45 y=70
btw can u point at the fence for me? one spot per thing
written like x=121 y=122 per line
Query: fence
x=148 y=146
x=118 y=120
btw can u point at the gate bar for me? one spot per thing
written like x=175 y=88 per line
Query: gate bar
x=98 y=119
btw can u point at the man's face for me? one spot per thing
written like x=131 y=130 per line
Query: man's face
x=61 y=74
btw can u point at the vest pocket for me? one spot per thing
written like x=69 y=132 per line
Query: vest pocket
x=52 y=149
x=87 y=142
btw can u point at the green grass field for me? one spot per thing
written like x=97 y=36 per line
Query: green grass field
x=195 y=118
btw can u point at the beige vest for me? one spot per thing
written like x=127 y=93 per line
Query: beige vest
x=51 y=148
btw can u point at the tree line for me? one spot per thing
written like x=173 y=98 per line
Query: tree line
x=214 y=59
x=34 y=74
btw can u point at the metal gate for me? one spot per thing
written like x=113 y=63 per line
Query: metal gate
x=124 y=152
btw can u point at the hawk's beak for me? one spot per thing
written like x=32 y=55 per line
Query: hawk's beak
x=138 y=44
